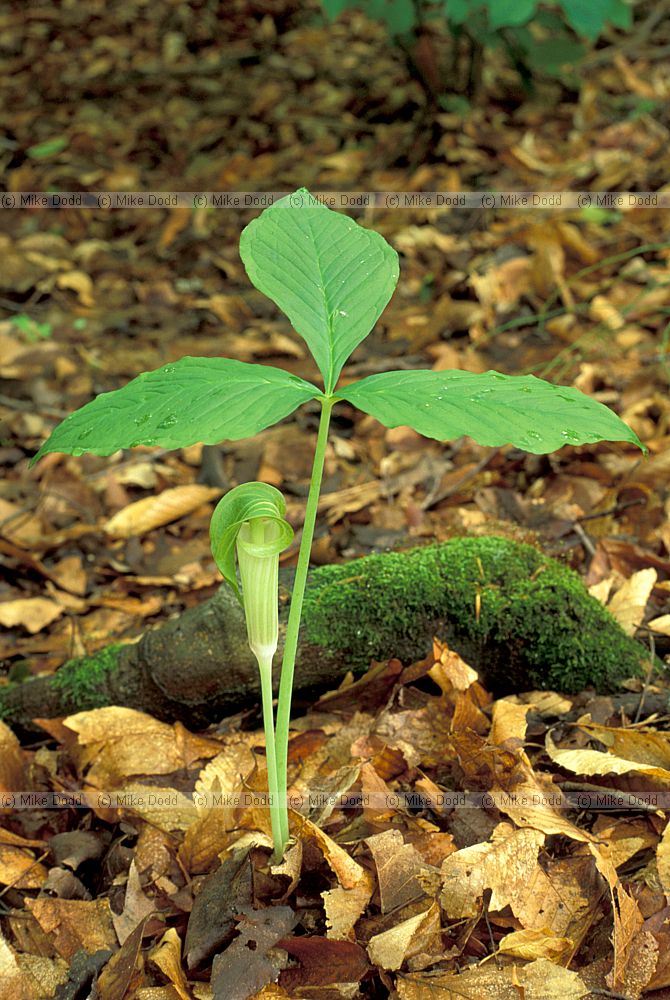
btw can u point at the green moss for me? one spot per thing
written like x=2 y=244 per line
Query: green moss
x=522 y=618
x=82 y=680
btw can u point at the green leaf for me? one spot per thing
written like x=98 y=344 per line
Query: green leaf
x=333 y=8
x=589 y=19
x=493 y=409
x=552 y=55
x=509 y=13
x=241 y=504
x=458 y=11
x=43 y=150
x=194 y=399
x=399 y=16
x=330 y=276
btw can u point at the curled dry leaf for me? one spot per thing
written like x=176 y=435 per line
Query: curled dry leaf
x=349 y=873
x=420 y=933
x=167 y=956
x=79 y=282
x=530 y=944
x=153 y=512
x=597 y=762
x=628 y=919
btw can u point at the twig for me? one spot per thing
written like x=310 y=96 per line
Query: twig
x=436 y=496
x=647 y=679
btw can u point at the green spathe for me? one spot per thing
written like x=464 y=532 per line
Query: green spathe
x=247 y=502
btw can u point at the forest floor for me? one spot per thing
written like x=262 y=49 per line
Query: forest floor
x=550 y=874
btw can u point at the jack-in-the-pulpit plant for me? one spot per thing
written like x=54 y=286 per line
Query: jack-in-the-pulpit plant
x=332 y=278
x=249 y=520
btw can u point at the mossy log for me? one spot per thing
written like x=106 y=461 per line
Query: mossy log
x=523 y=619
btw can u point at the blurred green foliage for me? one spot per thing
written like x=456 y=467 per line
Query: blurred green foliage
x=538 y=38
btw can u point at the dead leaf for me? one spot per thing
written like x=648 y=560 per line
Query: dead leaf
x=628 y=920
x=29 y=977
x=398 y=866
x=72 y=924
x=250 y=962
x=505 y=865
x=323 y=962
x=70 y=574
x=167 y=956
x=663 y=861
x=420 y=933
x=630 y=600
x=136 y=907
x=597 y=762
x=125 y=969
x=530 y=944
x=343 y=907
x=118 y=742
x=539 y=980
x=33 y=613
x=12 y=768
x=349 y=873
x=660 y=624
x=79 y=282
x=153 y=512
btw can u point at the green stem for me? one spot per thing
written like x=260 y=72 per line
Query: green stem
x=271 y=758
x=295 y=612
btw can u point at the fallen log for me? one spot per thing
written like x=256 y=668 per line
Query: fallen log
x=521 y=618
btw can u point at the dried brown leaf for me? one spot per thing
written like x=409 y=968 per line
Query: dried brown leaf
x=153 y=512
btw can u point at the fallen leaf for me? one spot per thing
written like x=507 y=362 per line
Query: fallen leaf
x=118 y=742
x=250 y=963
x=398 y=867
x=153 y=512
x=33 y=613
x=349 y=873
x=630 y=600
x=505 y=866
x=530 y=944
x=124 y=971
x=12 y=768
x=79 y=282
x=597 y=762
x=72 y=924
x=628 y=920
x=660 y=624
x=539 y=980
x=167 y=956
x=323 y=961
x=29 y=977
x=343 y=907
x=421 y=933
